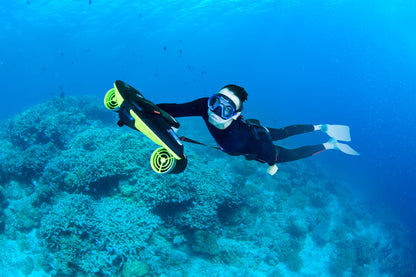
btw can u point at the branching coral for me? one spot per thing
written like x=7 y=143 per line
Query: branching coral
x=95 y=236
x=199 y=192
x=35 y=137
x=54 y=121
x=94 y=155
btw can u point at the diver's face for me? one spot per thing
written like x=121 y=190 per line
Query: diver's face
x=223 y=108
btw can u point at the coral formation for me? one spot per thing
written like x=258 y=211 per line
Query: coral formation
x=95 y=236
x=3 y=205
x=78 y=198
x=135 y=269
x=94 y=160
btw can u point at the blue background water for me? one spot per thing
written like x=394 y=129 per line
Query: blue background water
x=350 y=62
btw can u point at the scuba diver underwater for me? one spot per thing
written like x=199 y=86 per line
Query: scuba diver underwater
x=222 y=115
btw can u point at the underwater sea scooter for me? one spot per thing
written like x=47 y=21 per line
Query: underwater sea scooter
x=144 y=116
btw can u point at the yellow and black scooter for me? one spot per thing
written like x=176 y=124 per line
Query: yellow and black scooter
x=141 y=114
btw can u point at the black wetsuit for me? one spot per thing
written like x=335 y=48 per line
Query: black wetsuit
x=243 y=138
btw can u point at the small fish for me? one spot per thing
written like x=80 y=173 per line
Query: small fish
x=164 y=48
x=90 y=2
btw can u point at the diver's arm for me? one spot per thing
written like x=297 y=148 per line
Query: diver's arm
x=197 y=107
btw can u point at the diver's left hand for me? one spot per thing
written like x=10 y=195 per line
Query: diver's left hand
x=272 y=169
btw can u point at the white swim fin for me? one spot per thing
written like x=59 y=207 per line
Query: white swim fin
x=346 y=149
x=338 y=132
x=334 y=144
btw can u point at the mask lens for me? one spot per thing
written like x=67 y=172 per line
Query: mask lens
x=213 y=102
x=227 y=111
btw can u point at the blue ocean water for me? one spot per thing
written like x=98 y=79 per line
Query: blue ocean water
x=322 y=61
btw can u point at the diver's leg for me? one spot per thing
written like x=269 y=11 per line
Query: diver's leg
x=287 y=155
x=288 y=131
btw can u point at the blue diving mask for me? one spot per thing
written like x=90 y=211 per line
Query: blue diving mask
x=222 y=106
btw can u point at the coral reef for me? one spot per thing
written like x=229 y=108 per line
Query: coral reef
x=95 y=236
x=135 y=269
x=190 y=200
x=35 y=136
x=78 y=198
x=94 y=160
x=3 y=205
x=55 y=121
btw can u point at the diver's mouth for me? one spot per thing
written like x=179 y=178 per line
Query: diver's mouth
x=217 y=118
x=214 y=116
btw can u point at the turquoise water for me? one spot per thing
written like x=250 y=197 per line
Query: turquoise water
x=340 y=62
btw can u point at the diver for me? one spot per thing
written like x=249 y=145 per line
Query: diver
x=236 y=136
